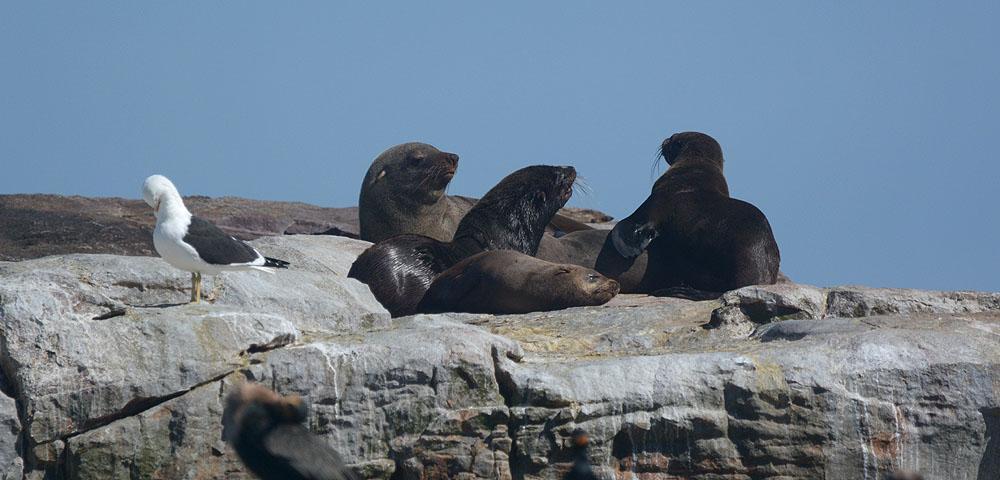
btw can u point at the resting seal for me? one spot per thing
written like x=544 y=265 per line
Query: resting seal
x=700 y=240
x=511 y=216
x=404 y=192
x=505 y=281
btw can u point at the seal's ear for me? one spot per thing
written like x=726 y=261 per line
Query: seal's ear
x=379 y=176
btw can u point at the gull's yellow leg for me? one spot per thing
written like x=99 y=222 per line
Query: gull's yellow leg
x=195 y=287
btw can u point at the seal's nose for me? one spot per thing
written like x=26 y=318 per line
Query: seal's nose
x=452 y=159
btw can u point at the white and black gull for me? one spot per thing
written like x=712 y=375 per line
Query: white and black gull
x=194 y=244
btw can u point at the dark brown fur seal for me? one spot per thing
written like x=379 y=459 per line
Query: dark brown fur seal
x=268 y=434
x=701 y=241
x=511 y=216
x=505 y=281
x=404 y=192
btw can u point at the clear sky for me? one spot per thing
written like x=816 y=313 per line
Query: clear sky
x=866 y=131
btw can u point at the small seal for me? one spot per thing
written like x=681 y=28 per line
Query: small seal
x=511 y=216
x=404 y=192
x=268 y=434
x=701 y=241
x=505 y=281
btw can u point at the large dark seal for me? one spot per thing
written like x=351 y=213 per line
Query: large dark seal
x=505 y=281
x=404 y=192
x=511 y=216
x=698 y=238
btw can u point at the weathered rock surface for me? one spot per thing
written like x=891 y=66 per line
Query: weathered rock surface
x=10 y=433
x=33 y=226
x=785 y=381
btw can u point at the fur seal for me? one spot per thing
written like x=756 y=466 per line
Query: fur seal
x=505 y=281
x=511 y=216
x=267 y=433
x=404 y=192
x=593 y=249
x=700 y=240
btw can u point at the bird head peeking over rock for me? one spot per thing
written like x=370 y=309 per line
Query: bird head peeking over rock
x=268 y=434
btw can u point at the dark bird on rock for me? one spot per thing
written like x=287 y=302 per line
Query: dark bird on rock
x=268 y=434
x=581 y=464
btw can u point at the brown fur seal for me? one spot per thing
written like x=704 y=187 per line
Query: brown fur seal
x=268 y=434
x=404 y=192
x=505 y=281
x=593 y=249
x=701 y=241
x=511 y=216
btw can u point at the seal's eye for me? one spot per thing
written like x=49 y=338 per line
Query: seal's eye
x=592 y=277
x=415 y=159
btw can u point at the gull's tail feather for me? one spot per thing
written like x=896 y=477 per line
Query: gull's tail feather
x=275 y=263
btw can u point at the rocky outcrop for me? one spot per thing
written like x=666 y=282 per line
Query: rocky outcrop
x=34 y=226
x=106 y=374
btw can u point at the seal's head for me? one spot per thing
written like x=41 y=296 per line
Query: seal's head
x=252 y=409
x=514 y=213
x=693 y=145
x=157 y=189
x=591 y=288
x=411 y=172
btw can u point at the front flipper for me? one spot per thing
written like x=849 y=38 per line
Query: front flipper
x=631 y=239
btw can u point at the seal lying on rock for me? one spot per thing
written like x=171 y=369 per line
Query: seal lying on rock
x=593 y=249
x=700 y=240
x=511 y=216
x=505 y=281
x=404 y=192
x=267 y=433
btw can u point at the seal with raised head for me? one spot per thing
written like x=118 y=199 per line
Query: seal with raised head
x=511 y=216
x=701 y=242
x=505 y=281
x=404 y=192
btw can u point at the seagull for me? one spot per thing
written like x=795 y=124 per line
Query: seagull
x=194 y=244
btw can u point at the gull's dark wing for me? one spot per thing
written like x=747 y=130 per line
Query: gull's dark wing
x=302 y=455
x=215 y=246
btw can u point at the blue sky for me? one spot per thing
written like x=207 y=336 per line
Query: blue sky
x=864 y=130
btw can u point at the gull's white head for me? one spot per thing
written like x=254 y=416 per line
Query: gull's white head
x=156 y=189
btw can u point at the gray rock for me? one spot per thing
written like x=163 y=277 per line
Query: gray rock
x=785 y=381
x=74 y=374
x=11 y=464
